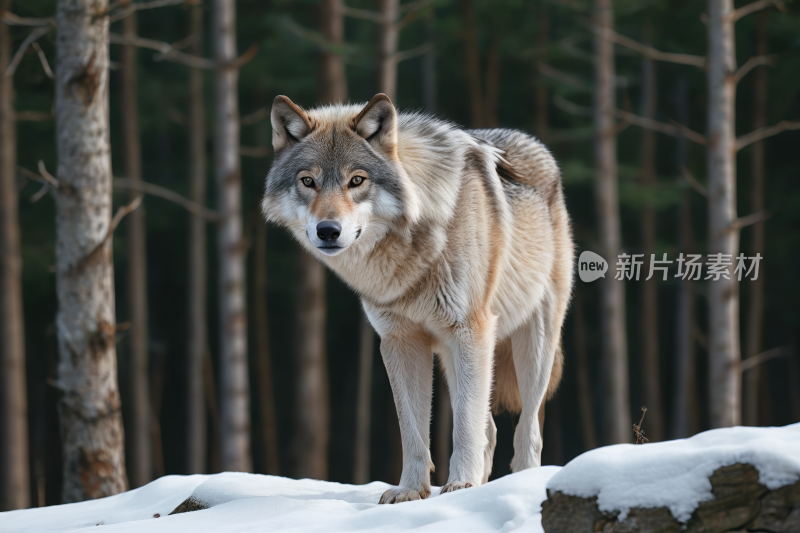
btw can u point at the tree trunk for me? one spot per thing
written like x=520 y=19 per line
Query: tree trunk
x=755 y=311
x=332 y=79
x=476 y=112
x=263 y=365
x=387 y=48
x=14 y=475
x=234 y=395
x=140 y=453
x=650 y=367
x=582 y=373
x=542 y=115
x=723 y=295
x=429 y=68
x=685 y=417
x=492 y=82
x=361 y=447
x=89 y=409
x=617 y=415
x=196 y=431
x=312 y=404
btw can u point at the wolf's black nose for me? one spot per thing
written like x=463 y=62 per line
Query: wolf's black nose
x=328 y=230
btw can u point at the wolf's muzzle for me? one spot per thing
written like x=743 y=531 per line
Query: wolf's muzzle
x=329 y=230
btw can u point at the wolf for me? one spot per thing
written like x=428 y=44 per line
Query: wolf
x=458 y=244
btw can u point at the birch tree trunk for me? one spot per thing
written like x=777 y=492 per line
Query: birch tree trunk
x=723 y=295
x=196 y=431
x=14 y=475
x=617 y=412
x=263 y=364
x=755 y=311
x=234 y=386
x=139 y=443
x=476 y=111
x=89 y=409
x=650 y=366
x=685 y=413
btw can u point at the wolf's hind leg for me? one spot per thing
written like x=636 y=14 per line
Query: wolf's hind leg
x=534 y=347
x=408 y=358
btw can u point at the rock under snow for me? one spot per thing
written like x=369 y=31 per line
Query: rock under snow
x=720 y=480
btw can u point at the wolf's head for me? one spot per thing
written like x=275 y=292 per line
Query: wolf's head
x=336 y=176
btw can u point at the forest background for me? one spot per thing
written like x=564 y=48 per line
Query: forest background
x=528 y=65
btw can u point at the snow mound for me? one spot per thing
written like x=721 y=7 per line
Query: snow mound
x=675 y=474
x=250 y=502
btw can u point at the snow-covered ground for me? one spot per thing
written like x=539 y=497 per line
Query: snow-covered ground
x=249 y=502
x=672 y=474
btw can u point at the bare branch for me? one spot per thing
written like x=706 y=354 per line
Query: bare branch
x=43 y=60
x=32 y=116
x=166 y=51
x=413 y=52
x=243 y=59
x=570 y=107
x=365 y=14
x=31 y=175
x=749 y=220
x=755 y=360
x=162 y=192
x=35 y=34
x=46 y=175
x=132 y=8
x=674 y=129
x=563 y=77
x=255 y=117
x=650 y=52
x=120 y=214
x=755 y=6
x=752 y=63
x=316 y=38
x=15 y=20
x=767 y=131
x=254 y=151
x=696 y=185
x=40 y=193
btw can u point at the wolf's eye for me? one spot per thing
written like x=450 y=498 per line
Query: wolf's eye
x=308 y=182
x=356 y=181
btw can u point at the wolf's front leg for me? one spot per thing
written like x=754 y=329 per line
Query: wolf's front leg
x=407 y=354
x=471 y=346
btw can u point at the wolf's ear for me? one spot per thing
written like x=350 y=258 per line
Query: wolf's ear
x=290 y=123
x=377 y=123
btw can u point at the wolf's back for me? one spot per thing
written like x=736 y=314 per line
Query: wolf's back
x=530 y=162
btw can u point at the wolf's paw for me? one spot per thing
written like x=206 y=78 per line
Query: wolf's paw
x=402 y=494
x=455 y=485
